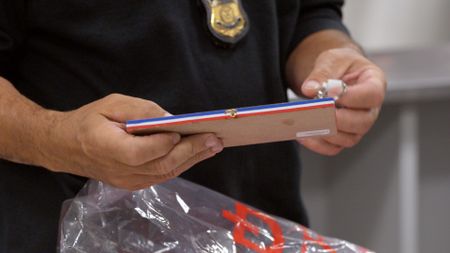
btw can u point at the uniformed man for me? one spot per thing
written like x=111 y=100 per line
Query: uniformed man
x=74 y=71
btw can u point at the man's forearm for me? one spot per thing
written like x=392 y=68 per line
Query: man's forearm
x=302 y=59
x=24 y=126
x=92 y=142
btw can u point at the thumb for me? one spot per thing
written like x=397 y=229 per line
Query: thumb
x=310 y=87
x=327 y=66
x=121 y=108
x=314 y=81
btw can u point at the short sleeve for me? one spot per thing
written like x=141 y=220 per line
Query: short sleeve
x=317 y=15
x=12 y=27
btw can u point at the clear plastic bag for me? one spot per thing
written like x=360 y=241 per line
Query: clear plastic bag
x=179 y=216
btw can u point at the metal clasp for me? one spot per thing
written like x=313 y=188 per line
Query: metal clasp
x=332 y=88
x=232 y=113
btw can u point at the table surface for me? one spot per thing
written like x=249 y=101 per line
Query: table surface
x=416 y=74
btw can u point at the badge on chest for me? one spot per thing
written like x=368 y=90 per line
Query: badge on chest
x=226 y=20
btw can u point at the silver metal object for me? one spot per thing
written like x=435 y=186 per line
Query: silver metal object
x=332 y=88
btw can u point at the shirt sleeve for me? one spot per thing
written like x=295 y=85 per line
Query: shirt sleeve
x=12 y=26
x=317 y=15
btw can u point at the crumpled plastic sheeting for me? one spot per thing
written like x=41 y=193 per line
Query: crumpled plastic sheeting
x=179 y=216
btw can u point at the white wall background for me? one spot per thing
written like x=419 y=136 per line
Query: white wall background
x=398 y=24
x=355 y=195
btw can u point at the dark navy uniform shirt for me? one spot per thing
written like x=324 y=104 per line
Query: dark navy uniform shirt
x=63 y=54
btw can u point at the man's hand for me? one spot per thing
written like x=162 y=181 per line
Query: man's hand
x=359 y=107
x=92 y=142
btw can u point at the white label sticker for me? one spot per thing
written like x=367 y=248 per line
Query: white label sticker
x=312 y=133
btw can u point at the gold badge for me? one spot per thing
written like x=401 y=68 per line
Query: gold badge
x=227 y=20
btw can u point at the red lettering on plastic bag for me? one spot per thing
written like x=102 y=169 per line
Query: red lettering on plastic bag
x=320 y=241
x=242 y=225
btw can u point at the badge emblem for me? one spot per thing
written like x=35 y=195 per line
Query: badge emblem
x=227 y=20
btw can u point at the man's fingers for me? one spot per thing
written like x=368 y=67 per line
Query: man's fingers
x=120 y=108
x=132 y=182
x=110 y=141
x=137 y=150
x=141 y=181
x=193 y=161
x=366 y=85
x=129 y=161
x=343 y=139
x=358 y=107
x=368 y=94
x=329 y=65
x=314 y=82
x=355 y=121
x=320 y=146
x=188 y=148
x=105 y=133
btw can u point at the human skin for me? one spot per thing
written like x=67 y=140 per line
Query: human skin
x=331 y=54
x=91 y=141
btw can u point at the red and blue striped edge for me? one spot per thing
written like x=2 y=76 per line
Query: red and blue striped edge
x=132 y=125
